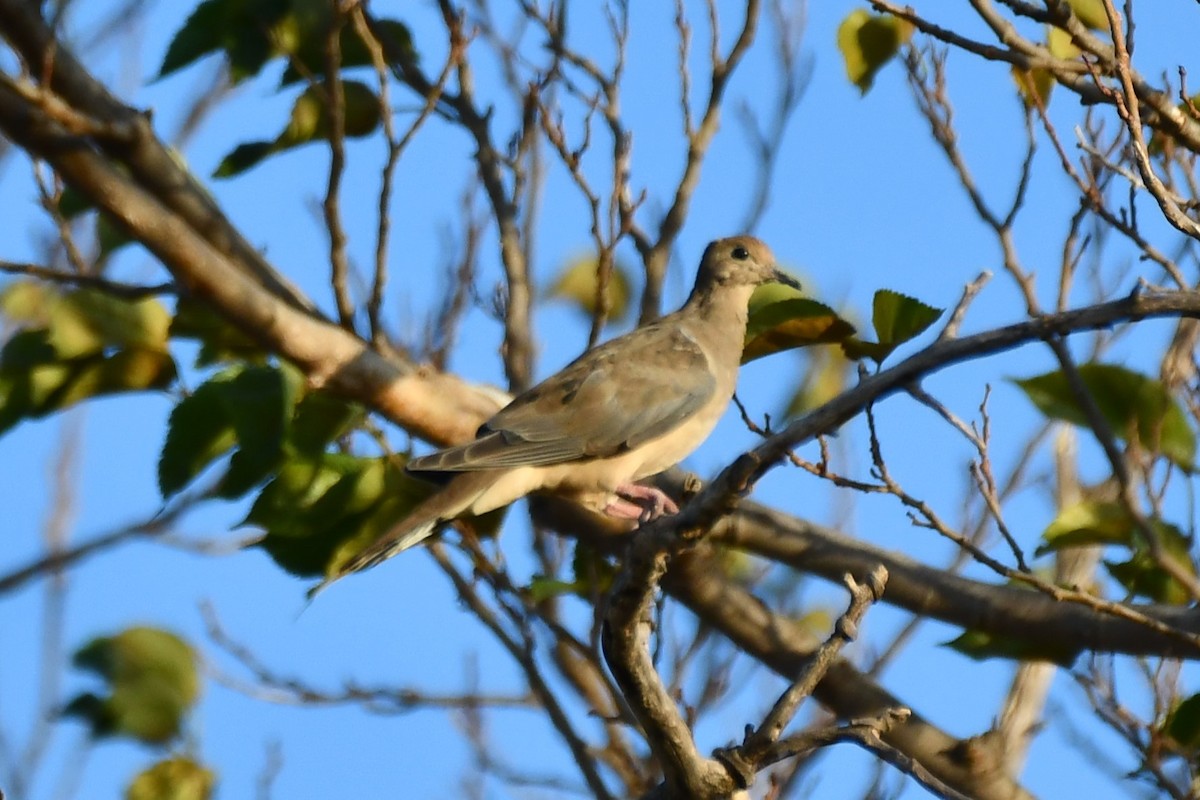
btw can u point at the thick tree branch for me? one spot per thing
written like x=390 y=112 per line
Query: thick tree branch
x=435 y=406
x=158 y=170
x=785 y=647
x=1040 y=619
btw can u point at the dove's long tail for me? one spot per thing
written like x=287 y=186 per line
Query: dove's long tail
x=443 y=506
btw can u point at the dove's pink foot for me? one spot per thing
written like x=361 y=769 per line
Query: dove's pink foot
x=642 y=503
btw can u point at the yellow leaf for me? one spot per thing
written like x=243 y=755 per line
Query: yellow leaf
x=869 y=41
x=824 y=380
x=178 y=778
x=781 y=318
x=1090 y=13
x=1059 y=43
x=1034 y=86
x=577 y=284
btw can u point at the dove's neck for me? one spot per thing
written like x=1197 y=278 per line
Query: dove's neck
x=721 y=317
x=724 y=306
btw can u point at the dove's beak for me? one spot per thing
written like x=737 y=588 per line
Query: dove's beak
x=779 y=276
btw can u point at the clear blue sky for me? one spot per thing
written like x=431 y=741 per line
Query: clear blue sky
x=862 y=200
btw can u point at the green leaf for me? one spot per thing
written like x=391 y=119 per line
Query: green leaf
x=1141 y=575
x=72 y=203
x=1183 y=724
x=151 y=680
x=219 y=340
x=867 y=42
x=309 y=122
x=1088 y=523
x=25 y=350
x=1132 y=404
x=980 y=645
x=577 y=283
x=781 y=318
x=85 y=321
x=899 y=318
x=593 y=576
x=320 y=420
x=36 y=391
x=246 y=31
x=395 y=40
x=178 y=778
x=110 y=235
x=542 y=588
x=250 y=407
x=118 y=321
x=259 y=401
x=251 y=33
x=199 y=431
x=319 y=512
x=243 y=157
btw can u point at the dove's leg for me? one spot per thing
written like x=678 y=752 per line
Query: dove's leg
x=642 y=503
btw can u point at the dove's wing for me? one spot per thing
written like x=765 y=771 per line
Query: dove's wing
x=613 y=398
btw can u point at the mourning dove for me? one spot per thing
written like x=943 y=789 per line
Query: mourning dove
x=624 y=410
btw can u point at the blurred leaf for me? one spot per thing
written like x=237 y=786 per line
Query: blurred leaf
x=199 y=431
x=1088 y=523
x=824 y=379
x=85 y=321
x=110 y=236
x=1142 y=576
x=593 y=576
x=1131 y=403
x=738 y=565
x=542 y=588
x=245 y=156
x=33 y=390
x=251 y=33
x=1090 y=13
x=319 y=512
x=816 y=621
x=868 y=41
x=321 y=419
x=309 y=48
x=259 y=401
x=980 y=645
x=1183 y=724
x=1163 y=144
x=309 y=122
x=781 y=318
x=577 y=283
x=250 y=407
x=244 y=30
x=72 y=203
x=178 y=778
x=118 y=321
x=220 y=341
x=25 y=350
x=1034 y=85
x=1060 y=45
x=152 y=682
x=81 y=322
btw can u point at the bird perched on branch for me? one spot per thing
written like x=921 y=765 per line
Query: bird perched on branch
x=624 y=410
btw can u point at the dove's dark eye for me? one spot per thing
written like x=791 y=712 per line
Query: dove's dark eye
x=741 y=253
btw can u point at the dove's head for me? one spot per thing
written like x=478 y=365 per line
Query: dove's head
x=739 y=261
